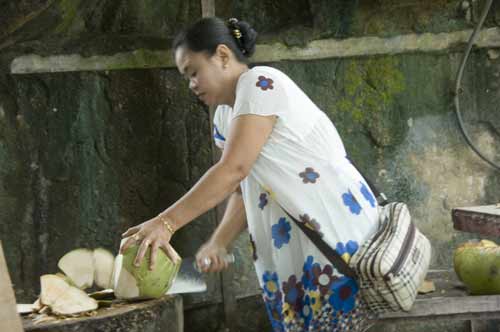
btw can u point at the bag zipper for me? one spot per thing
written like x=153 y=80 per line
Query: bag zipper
x=401 y=258
x=381 y=232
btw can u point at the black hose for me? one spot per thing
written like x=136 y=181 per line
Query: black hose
x=459 y=80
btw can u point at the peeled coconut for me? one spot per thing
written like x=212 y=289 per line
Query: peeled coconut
x=477 y=265
x=131 y=282
x=78 y=265
x=83 y=267
x=103 y=268
x=62 y=298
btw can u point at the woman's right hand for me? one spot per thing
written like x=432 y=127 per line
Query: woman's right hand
x=213 y=253
x=150 y=233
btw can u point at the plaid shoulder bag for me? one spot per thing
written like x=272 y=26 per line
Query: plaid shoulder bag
x=391 y=265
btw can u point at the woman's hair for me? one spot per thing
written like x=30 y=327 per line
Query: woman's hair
x=206 y=34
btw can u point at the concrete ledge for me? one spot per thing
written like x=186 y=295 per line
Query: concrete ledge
x=163 y=314
x=318 y=49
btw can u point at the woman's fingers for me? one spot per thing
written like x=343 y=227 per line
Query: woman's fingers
x=167 y=248
x=153 y=254
x=142 y=251
x=131 y=231
x=130 y=241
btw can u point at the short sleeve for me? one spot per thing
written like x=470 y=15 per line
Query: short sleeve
x=260 y=92
x=220 y=126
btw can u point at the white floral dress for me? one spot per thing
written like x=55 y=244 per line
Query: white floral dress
x=302 y=168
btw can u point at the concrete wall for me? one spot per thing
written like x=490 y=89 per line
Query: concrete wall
x=86 y=154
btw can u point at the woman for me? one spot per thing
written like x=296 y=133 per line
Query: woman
x=280 y=152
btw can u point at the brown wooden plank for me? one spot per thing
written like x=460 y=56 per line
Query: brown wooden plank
x=9 y=319
x=461 y=308
x=483 y=220
x=207 y=8
x=228 y=294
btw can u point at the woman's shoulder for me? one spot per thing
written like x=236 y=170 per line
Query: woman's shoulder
x=264 y=70
x=262 y=78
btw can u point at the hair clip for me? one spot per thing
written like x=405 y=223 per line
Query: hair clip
x=233 y=25
x=236 y=32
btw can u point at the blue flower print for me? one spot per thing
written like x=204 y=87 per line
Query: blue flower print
x=274 y=311
x=367 y=194
x=262 y=200
x=307 y=312
x=351 y=202
x=217 y=134
x=281 y=232
x=311 y=223
x=293 y=293
x=265 y=83
x=308 y=276
x=323 y=278
x=346 y=251
x=271 y=285
x=344 y=294
x=309 y=175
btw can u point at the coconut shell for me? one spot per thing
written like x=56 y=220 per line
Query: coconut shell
x=131 y=282
x=478 y=266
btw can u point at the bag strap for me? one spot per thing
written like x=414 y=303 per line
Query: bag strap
x=322 y=246
x=380 y=196
x=325 y=249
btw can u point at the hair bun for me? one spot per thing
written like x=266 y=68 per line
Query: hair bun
x=244 y=34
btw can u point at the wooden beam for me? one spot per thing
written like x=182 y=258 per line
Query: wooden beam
x=207 y=8
x=317 y=49
x=9 y=319
x=228 y=293
x=457 y=308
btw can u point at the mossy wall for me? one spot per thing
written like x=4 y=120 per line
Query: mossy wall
x=84 y=155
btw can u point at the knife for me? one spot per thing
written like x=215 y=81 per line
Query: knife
x=190 y=278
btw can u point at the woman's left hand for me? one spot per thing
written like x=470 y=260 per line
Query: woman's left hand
x=150 y=233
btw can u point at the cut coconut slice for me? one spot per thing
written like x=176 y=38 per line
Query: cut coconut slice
x=62 y=298
x=131 y=282
x=25 y=308
x=103 y=268
x=78 y=265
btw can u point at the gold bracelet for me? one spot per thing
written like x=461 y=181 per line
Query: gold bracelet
x=165 y=221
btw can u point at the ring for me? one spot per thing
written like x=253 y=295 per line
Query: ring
x=147 y=242
x=207 y=261
x=136 y=236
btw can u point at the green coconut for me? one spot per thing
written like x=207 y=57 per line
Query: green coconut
x=477 y=265
x=131 y=282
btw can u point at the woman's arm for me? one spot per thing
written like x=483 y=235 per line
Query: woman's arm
x=232 y=224
x=247 y=136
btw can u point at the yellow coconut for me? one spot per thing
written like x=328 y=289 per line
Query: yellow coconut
x=477 y=265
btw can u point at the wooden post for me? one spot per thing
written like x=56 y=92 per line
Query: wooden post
x=9 y=319
x=228 y=295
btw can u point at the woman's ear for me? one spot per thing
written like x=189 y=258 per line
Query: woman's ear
x=224 y=54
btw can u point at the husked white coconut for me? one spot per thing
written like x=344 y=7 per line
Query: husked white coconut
x=125 y=285
x=103 y=268
x=78 y=265
x=62 y=298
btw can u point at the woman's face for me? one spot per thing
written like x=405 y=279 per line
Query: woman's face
x=205 y=75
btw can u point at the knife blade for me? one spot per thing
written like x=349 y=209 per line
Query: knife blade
x=190 y=279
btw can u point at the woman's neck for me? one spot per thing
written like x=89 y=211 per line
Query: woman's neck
x=238 y=70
